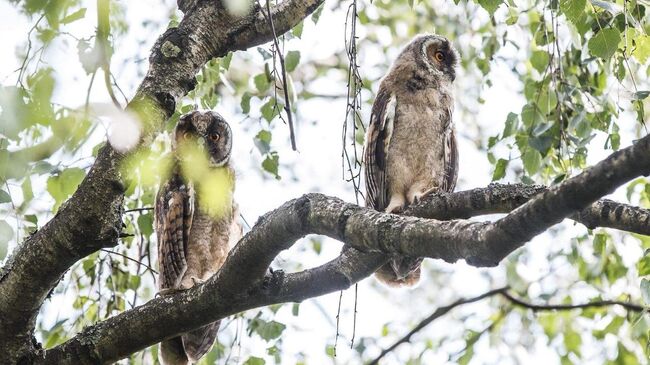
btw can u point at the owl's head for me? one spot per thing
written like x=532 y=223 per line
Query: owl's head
x=210 y=131
x=436 y=53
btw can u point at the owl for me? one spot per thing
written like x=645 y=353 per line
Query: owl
x=194 y=238
x=410 y=148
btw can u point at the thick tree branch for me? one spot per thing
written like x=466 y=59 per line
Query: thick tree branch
x=503 y=198
x=91 y=219
x=440 y=311
x=242 y=283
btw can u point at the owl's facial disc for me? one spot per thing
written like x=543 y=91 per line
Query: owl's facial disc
x=440 y=55
x=208 y=131
x=218 y=140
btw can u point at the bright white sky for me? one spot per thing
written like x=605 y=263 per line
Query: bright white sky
x=317 y=168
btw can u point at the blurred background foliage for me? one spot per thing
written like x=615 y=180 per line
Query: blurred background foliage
x=572 y=76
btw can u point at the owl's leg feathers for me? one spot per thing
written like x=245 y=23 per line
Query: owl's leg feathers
x=396 y=204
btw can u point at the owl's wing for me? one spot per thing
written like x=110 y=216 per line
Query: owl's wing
x=450 y=156
x=380 y=131
x=174 y=209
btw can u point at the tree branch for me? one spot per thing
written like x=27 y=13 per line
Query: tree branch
x=361 y=229
x=440 y=311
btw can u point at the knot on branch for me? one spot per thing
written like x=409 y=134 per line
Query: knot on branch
x=171 y=45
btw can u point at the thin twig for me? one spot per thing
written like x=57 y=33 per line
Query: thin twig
x=559 y=307
x=439 y=312
x=287 y=102
x=138 y=210
x=131 y=259
x=351 y=163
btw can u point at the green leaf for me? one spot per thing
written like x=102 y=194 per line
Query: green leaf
x=467 y=356
x=600 y=240
x=642 y=50
x=546 y=101
x=271 y=163
x=254 y=361
x=532 y=160
x=605 y=43
x=539 y=60
x=270 y=110
x=315 y=16
x=4 y=197
x=572 y=341
x=79 y=14
x=263 y=141
x=573 y=9
x=6 y=234
x=297 y=30
x=62 y=186
x=262 y=82
x=225 y=61
x=245 y=103
x=291 y=60
x=28 y=192
x=531 y=115
x=645 y=290
x=643 y=266
x=145 y=224
x=330 y=351
x=490 y=5
x=270 y=330
x=640 y=95
x=500 y=170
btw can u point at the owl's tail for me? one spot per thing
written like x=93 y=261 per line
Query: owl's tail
x=198 y=342
x=190 y=346
x=400 y=271
x=172 y=353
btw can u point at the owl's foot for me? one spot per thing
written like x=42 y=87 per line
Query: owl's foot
x=197 y=281
x=417 y=197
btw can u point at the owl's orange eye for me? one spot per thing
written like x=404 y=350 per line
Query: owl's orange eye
x=214 y=137
x=439 y=56
x=187 y=135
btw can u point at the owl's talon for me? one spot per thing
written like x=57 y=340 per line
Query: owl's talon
x=197 y=281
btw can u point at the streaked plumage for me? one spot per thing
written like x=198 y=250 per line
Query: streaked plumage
x=410 y=148
x=193 y=241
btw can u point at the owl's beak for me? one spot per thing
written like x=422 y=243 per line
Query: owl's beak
x=452 y=74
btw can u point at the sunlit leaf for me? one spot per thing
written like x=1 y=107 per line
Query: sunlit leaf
x=605 y=43
x=573 y=9
x=291 y=60
x=4 y=197
x=79 y=14
x=500 y=170
x=490 y=5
